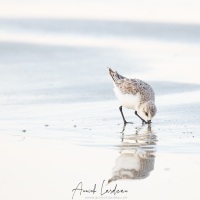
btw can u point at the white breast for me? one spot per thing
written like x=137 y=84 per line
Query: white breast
x=129 y=101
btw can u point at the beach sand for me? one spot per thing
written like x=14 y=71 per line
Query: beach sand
x=60 y=124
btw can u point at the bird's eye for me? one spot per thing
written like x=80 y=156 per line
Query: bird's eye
x=146 y=114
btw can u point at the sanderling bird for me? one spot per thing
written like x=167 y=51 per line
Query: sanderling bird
x=134 y=94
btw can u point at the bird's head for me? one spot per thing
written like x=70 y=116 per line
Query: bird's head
x=147 y=111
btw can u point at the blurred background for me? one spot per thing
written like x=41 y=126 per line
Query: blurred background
x=58 y=50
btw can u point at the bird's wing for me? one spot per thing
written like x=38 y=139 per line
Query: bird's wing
x=127 y=86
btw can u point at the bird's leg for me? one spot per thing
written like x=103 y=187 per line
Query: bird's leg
x=143 y=121
x=120 y=108
x=125 y=122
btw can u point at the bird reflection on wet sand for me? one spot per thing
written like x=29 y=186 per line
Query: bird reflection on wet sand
x=137 y=155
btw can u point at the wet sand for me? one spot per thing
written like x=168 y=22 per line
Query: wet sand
x=46 y=150
x=60 y=123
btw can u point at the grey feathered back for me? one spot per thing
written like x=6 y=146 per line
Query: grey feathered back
x=133 y=86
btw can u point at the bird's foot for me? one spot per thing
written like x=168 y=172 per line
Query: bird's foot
x=144 y=122
x=125 y=122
